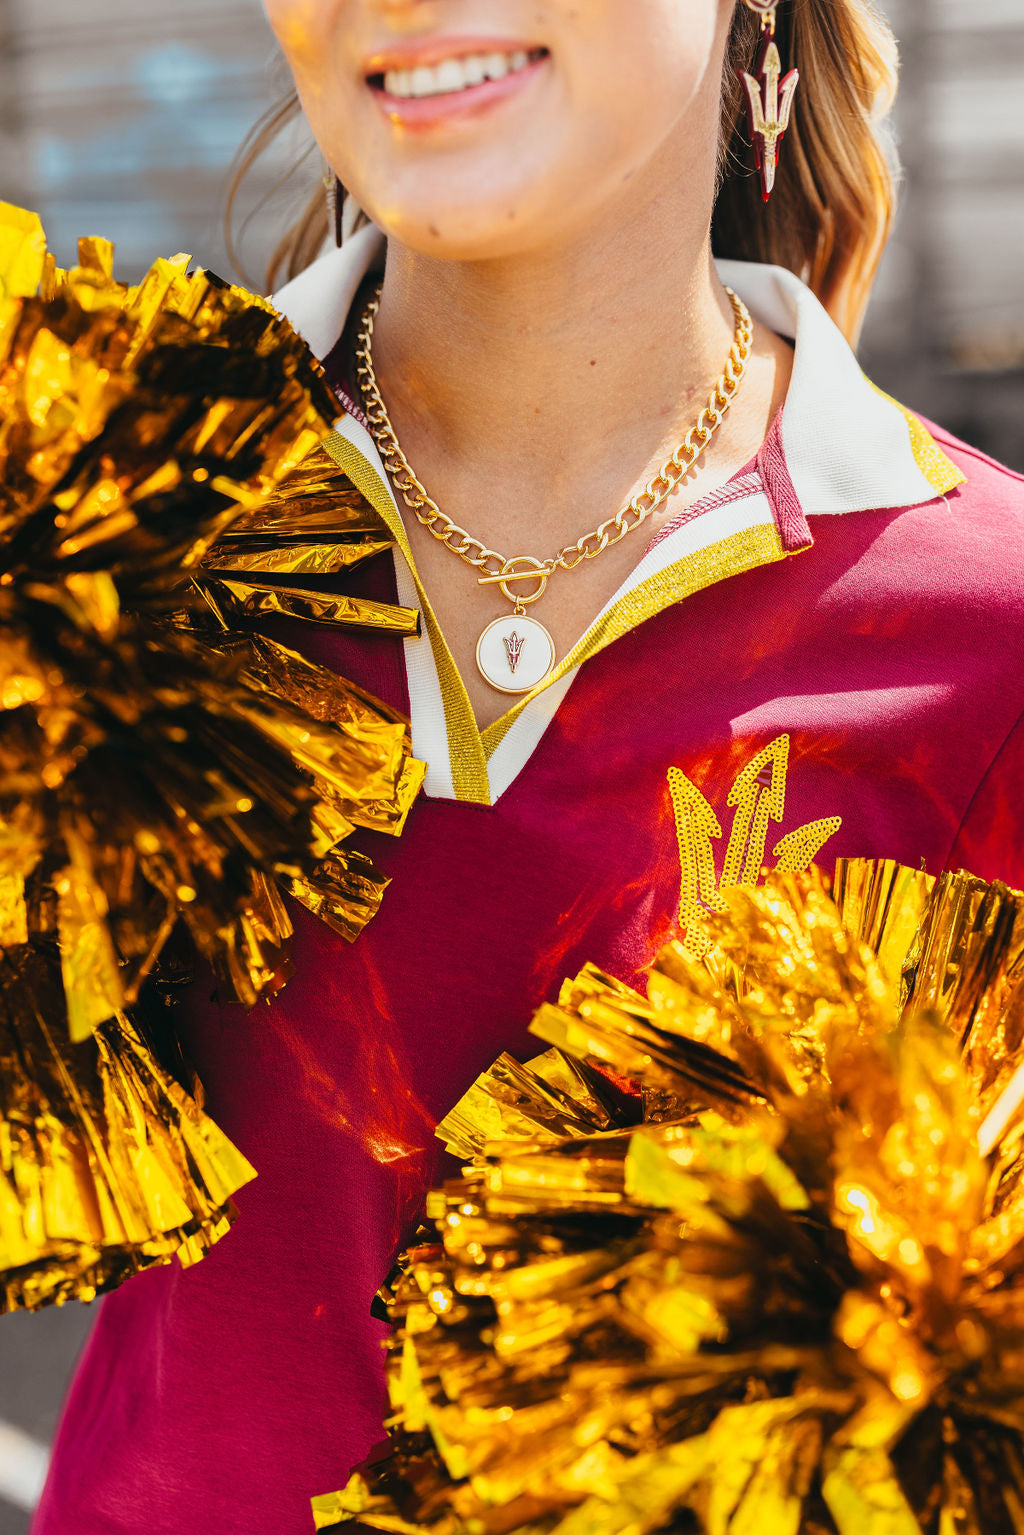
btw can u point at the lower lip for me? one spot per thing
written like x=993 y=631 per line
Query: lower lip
x=455 y=106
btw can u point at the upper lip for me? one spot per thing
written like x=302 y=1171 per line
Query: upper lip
x=426 y=52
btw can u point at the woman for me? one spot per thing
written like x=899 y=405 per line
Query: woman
x=810 y=649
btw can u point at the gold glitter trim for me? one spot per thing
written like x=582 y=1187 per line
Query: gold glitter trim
x=759 y=545
x=940 y=472
x=465 y=749
x=469 y=748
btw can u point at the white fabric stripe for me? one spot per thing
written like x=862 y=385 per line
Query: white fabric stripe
x=426 y=702
x=521 y=740
x=523 y=737
x=355 y=432
x=23 y=1466
x=847 y=448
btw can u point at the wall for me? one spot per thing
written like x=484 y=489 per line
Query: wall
x=122 y=119
x=946 y=329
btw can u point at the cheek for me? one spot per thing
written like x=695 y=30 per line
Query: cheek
x=638 y=58
x=308 y=32
x=626 y=76
x=301 y=28
x=625 y=102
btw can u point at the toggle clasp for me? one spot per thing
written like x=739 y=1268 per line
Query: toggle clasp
x=521 y=567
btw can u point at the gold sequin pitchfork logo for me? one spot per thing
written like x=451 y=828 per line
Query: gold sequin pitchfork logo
x=757 y=798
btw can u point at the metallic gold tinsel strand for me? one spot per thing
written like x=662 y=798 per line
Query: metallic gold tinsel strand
x=778 y=1292
x=163 y=764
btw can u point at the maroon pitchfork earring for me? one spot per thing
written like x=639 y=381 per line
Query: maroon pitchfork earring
x=769 y=98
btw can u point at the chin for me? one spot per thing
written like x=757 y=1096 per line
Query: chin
x=460 y=237
x=464 y=229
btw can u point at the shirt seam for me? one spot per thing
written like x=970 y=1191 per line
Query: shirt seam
x=964 y=450
x=982 y=781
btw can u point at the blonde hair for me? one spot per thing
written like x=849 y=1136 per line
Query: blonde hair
x=831 y=210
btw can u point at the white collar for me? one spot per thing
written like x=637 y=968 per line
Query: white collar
x=317 y=302
x=848 y=446
x=845 y=447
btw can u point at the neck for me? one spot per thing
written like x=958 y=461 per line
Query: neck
x=595 y=352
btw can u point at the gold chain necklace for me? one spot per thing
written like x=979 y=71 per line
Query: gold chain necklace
x=516 y=653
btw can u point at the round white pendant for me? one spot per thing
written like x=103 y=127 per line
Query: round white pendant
x=515 y=653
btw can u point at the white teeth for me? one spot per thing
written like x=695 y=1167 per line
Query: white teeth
x=453 y=74
x=450 y=76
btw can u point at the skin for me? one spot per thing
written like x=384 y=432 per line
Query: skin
x=551 y=322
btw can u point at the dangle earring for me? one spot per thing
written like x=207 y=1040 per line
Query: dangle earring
x=769 y=98
x=337 y=207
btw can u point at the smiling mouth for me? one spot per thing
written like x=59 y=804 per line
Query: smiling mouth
x=453 y=76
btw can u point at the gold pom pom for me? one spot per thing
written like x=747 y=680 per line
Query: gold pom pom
x=729 y=1257
x=157 y=758
x=107 y=1165
x=162 y=763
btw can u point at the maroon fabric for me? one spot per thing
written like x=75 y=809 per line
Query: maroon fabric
x=774 y=471
x=223 y=1397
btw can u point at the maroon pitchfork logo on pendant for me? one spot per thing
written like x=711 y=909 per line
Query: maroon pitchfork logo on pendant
x=513 y=649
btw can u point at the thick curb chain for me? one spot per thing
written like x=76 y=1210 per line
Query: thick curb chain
x=497 y=569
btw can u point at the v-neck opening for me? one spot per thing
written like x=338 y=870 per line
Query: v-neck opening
x=844 y=448
x=654 y=583
x=478 y=744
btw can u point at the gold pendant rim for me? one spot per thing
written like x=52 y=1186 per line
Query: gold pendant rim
x=500 y=687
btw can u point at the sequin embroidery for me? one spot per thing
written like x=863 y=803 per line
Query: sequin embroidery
x=757 y=797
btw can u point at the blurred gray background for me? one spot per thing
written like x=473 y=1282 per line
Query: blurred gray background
x=121 y=118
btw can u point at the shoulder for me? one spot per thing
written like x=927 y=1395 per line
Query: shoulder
x=987 y=568
x=942 y=567
x=954 y=571
x=968 y=533
x=985 y=480
x=977 y=529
